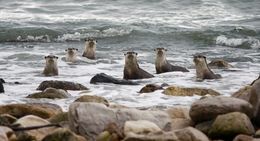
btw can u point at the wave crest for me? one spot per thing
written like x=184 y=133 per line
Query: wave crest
x=248 y=42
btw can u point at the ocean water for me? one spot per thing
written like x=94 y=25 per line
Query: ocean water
x=31 y=29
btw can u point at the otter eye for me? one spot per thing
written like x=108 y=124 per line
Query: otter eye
x=45 y=57
x=136 y=54
x=124 y=54
x=77 y=49
x=66 y=50
x=56 y=57
x=166 y=49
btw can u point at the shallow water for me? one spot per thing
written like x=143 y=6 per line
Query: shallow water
x=29 y=30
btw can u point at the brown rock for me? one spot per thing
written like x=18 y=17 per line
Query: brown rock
x=219 y=64
x=140 y=127
x=150 y=88
x=20 y=110
x=243 y=138
x=180 y=123
x=190 y=134
x=257 y=134
x=65 y=85
x=6 y=134
x=227 y=126
x=6 y=119
x=31 y=120
x=209 y=108
x=92 y=98
x=63 y=134
x=50 y=93
x=204 y=126
x=179 y=91
x=243 y=93
x=178 y=112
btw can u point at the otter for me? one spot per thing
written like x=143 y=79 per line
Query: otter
x=90 y=49
x=162 y=65
x=51 y=67
x=132 y=69
x=2 y=90
x=202 y=69
x=71 y=55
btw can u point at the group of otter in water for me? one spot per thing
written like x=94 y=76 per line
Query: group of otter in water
x=131 y=68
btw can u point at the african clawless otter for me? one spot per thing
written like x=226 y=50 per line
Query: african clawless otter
x=202 y=69
x=90 y=48
x=132 y=69
x=162 y=65
x=71 y=55
x=51 y=67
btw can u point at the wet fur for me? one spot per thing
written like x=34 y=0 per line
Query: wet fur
x=162 y=65
x=132 y=69
x=202 y=69
x=51 y=68
x=90 y=49
x=71 y=55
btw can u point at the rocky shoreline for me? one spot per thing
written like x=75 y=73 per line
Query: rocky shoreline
x=93 y=118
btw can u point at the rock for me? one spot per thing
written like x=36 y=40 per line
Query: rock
x=190 y=134
x=186 y=134
x=227 y=126
x=63 y=134
x=2 y=90
x=243 y=138
x=243 y=93
x=111 y=133
x=150 y=88
x=179 y=91
x=50 y=93
x=6 y=119
x=90 y=98
x=90 y=119
x=140 y=127
x=219 y=64
x=178 y=112
x=214 y=106
x=7 y=134
x=31 y=120
x=180 y=123
x=19 y=110
x=257 y=134
x=60 y=117
x=65 y=85
x=104 y=78
x=204 y=126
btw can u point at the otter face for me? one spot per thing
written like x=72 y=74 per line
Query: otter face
x=199 y=59
x=130 y=55
x=91 y=42
x=71 y=51
x=160 y=51
x=51 y=58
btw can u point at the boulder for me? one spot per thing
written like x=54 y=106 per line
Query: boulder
x=6 y=119
x=140 y=127
x=179 y=123
x=186 y=134
x=150 y=88
x=204 y=126
x=90 y=119
x=50 y=93
x=31 y=120
x=2 y=90
x=92 y=98
x=65 y=85
x=104 y=78
x=7 y=134
x=178 y=112
x=63 y=134
x=229 y=125
x=179 y=91
x=58 y=118
x=243 y=138
x=42 y=110
x=243 y=93
x=214 y=106
x=111 y=133
x=257 y=133
x=219 y=64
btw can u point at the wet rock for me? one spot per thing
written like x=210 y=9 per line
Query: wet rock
x=50 y=93
x=219 y=64
x=63 y=134
x=65 y=85
x=104 y=78
x=31 y=120
x=243 y=138
x=227 y=126
x=58 y=118
x=89 y=119
x=150 y=88
x=111 y=133
x=19 y=110
x=257 y=133
x=6 y=119
x=190 y=134
x=243 y=93
x=214 y=106
x=204 y=126
x=179 y=123
x=179 y=91
x=2 y=90
x=92 y=98
x=140 y=127
x=178 y=112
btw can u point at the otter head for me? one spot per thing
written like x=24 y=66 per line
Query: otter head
x=51 y=59
x=131 y=58
x=199 y=60
x=91 y=43
x=160 y=52
x=71 y=51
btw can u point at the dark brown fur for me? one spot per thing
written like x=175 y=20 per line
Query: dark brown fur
x=132 y=69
